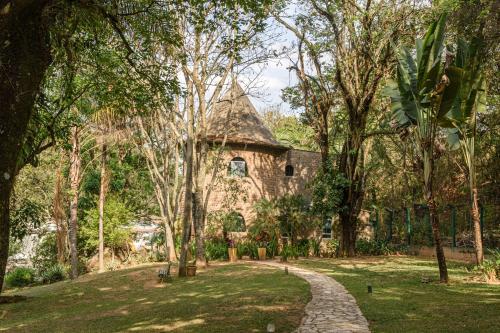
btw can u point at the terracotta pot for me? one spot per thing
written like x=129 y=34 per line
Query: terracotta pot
x=191 y=270
x=232 y=254
x=262 y=253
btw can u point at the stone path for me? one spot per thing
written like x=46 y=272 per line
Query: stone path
x=332 y=309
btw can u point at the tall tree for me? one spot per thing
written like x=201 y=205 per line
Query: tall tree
x=424 y=93
x=32 y=34
x=75 y=179
x=355 y=37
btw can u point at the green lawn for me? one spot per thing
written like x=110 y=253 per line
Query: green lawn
x=402 y=303
x=224 y=298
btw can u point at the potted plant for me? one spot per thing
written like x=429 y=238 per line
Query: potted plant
x=232 y=251
x=191 y=268
x=262 y=250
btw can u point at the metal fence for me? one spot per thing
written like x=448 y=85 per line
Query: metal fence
x=412 y=226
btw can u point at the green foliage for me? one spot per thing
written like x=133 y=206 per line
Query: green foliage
x=14 y=247
x=225 y=221
x=327 y=191
x=53 y=274
x=286 y=252
x=28 y=215
x=45 y=255
x=295 y=218
x=331 y=249
x=247 y=248
x=377 y=248
x=289 y=130
x=304 y=247
x=20 y=277
x=316 y=247
x=117 y=220
x=216 y=249
x=265 y=227
x=490 y=268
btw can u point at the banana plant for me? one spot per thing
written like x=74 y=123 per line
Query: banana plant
x=421 y=96
x=460 y=120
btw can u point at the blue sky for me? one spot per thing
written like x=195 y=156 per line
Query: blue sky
x=273 y=76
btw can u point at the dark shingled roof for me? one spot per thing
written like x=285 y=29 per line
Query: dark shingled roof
x=242 y=124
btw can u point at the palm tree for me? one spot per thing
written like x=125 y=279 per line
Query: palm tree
x=418 y=104
x=461 y=121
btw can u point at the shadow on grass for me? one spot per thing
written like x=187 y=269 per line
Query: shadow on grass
x=238 y=298
x=400 y=302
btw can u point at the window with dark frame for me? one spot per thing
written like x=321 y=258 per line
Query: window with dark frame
x=238 y=167
x=289 y=170
x=327 y=228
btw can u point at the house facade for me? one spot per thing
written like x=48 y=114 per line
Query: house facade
x=252 y=164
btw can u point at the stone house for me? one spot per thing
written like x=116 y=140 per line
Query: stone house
x=252 y=161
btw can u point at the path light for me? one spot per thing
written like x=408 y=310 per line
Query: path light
x=286 y=270
x=370 y=289
x=270 y=327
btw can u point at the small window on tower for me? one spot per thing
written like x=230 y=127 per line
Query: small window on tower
x=289 y=170
x=237 y=167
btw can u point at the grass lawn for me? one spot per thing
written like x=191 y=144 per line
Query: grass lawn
x=224 y=298
x=402 y=303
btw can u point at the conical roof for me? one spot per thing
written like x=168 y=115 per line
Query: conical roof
x=241 y=123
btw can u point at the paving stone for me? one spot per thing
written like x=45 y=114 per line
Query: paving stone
x=332 y=309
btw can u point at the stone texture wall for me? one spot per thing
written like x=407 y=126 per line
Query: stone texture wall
x=266 y=177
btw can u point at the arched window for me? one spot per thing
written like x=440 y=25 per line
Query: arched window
x=237 y=167
x=235 y=222
x=289 y=170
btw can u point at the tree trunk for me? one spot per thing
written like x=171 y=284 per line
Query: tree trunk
x=24 y=58
x=353 y=193
x=199 y=228
x=443 y=271
x=6 y=186
x=102 y=198
x=169 y=242
x=75 y=166
x=478 y=240
x=429 y=197
x=60 y=216
x=188 y=192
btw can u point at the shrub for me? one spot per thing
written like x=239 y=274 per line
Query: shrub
x=304 y=248
x=20 y=277
x=53 y=274
x=45 y=253
x=216 y=249
x=377 y=248
x=272 y=248
x=490 y=268
x=117 y=231
x=331 y=248
x=285 y=252
x=316 y=247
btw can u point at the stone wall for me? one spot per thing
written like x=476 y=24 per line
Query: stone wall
x=265 y=177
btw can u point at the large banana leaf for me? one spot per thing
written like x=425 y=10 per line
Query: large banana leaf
x=429 y=57
x=410 y=94
x=470 y=95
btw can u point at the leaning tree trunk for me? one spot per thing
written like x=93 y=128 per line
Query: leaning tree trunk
x=24 y=58
x=102 y=198
x=75 y=166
